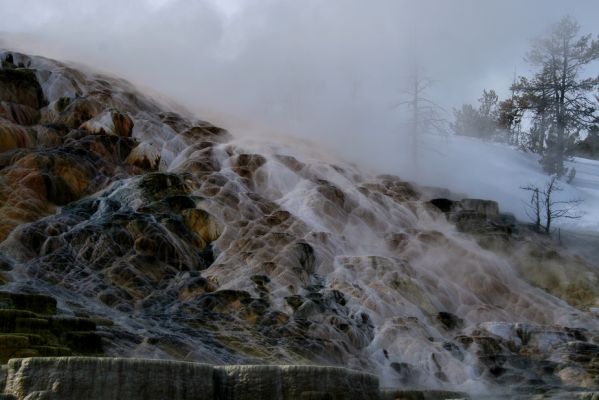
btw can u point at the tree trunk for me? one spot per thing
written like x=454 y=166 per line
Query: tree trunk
x=560 y=147
x=415 y=121
x=537 y=205
x=561 y=116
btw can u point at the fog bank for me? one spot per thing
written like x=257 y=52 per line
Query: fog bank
x=329 y=71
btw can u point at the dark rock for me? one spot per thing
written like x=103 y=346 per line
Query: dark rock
x=454 y=350
x=445 y=205
x=36 y=303
x=294 y=301
x=407 y=373
x=83 y=342
x=21 y=86
x=449 y=320
x=24 y=333
x=8 y=61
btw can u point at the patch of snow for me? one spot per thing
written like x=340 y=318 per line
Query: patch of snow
x=497 y=171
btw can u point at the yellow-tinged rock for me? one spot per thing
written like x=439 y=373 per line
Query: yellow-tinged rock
x=13 y=136
x=204 y=225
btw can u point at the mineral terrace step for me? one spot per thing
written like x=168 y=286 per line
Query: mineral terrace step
x=37 y=303
x=75 y=378
x=25 y=333
x=70 y=378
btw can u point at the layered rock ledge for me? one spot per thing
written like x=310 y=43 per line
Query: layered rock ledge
x=30 y=327
x=67 y=378
x=116 y=378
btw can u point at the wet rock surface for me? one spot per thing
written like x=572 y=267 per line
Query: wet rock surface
x=185 y=243
x=65 y=134
x=478 y=217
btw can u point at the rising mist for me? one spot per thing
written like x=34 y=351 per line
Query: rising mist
x=328 y=71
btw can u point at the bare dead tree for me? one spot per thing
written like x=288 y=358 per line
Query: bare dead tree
x=534 y=207
x=426 y=115
x=544 y=209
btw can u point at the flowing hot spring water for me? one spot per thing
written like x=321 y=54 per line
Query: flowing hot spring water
x=187 y=242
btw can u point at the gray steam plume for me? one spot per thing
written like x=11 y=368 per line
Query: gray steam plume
x=327 y=70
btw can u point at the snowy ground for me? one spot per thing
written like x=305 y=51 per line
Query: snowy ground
x=496 y=171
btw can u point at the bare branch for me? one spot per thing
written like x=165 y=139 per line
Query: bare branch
x=544 y=210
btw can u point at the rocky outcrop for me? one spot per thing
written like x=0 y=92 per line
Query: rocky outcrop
x=530 y=359
x=20 y=86
x=486 y=209
x=130 y=379
x=478 y=217
x=29 y=327
x=65 y=134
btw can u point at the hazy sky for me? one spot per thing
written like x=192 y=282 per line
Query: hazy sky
x=465 y=44
x=328 y=69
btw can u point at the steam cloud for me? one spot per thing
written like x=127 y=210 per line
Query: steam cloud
x=330 y=71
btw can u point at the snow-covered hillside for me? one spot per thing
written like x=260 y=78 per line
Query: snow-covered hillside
x=496 y=171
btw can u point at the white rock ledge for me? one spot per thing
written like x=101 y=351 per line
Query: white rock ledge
x=87 y=378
